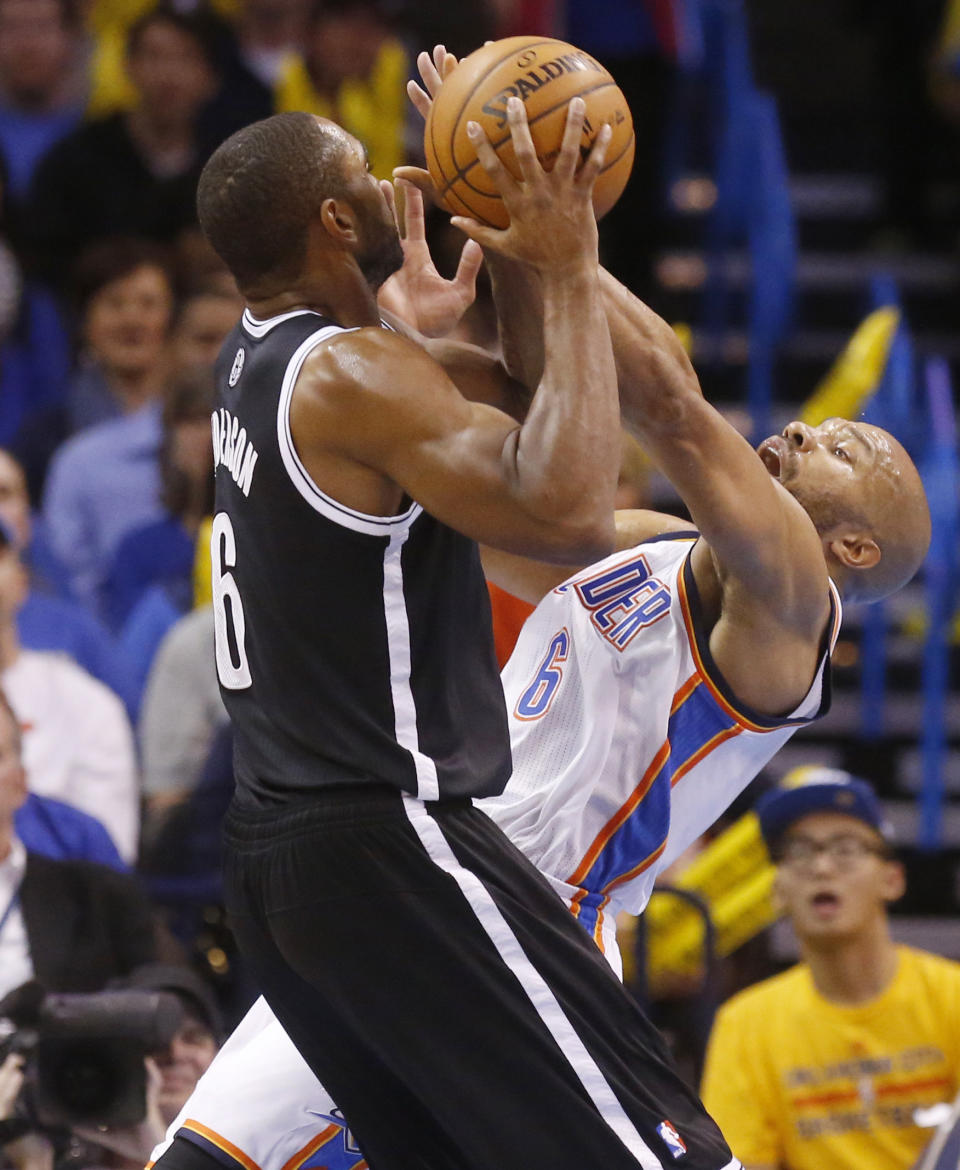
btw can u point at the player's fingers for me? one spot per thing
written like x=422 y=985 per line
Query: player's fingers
x=569 y=155
x=505 y=183
x=449 y=64
x=420 y=99
x=523 y=146
x=416 y=176
x=412 y=212
x=429 y=73
x=595 y=159
x=388 y=193
x=479 y=232
x=471 y=259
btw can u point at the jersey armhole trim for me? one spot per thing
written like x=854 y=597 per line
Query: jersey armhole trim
x=326 y=505
x=218 y=1147
x=718 y=686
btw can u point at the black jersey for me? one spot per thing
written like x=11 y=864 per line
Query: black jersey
x=351 y=649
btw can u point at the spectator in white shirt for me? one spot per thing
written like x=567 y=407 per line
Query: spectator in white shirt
x=77 y=742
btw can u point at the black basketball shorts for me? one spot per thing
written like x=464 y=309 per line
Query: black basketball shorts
x=446 y=998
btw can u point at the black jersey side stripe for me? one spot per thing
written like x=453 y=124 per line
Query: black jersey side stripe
x=318 y=500
x=398 y=649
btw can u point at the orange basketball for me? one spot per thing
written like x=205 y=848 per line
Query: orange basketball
x=545 y=74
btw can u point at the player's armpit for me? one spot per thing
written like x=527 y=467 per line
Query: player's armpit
x=522 y=577
x=637 y=525
x=371 y=407
x=532 y=580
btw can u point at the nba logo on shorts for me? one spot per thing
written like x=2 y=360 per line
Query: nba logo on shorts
x=673 y=1141
x=237 y=367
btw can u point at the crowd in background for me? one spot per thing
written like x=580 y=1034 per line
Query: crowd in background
x=112 y=311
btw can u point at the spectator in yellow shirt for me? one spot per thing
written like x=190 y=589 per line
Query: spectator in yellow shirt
x=845 y=1061
x=354 y=72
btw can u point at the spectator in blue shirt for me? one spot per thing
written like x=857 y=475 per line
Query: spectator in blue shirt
x=40 y=102
x=103 y=484
x=161 y=553
x=39 y=41
x=61 y=832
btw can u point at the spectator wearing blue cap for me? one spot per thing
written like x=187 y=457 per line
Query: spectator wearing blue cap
x=847 y=1059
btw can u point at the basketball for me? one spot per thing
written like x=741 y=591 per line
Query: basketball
x=546 y=74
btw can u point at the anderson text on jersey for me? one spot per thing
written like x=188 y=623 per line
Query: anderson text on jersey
x=232 y=449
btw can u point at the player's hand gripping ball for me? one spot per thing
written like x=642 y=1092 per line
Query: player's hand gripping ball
x=545 y=74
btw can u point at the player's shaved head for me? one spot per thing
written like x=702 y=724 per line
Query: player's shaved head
x=862 y=491
x=261 y=188
x=898 y=513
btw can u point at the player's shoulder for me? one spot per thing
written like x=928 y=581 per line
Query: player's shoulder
x=367 y=387
x=363 y=363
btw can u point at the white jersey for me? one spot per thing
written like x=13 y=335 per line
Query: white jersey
x=645 y=745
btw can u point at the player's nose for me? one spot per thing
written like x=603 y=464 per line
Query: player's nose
x=800 y=435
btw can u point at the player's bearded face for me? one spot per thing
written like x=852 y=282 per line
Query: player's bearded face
x=380 y=254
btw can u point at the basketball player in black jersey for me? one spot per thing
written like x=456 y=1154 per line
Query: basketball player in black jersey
x=430 y=977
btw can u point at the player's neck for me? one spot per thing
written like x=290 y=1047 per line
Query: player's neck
x=344 y=297
x=853 y=970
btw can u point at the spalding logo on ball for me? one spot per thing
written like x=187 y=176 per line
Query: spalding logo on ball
x=545 y=74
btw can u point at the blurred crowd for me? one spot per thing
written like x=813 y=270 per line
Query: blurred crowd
x=114 y=745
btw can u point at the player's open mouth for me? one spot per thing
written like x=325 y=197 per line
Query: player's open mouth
x=771 y=452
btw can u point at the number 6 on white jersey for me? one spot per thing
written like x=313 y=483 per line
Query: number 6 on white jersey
x=229 y=627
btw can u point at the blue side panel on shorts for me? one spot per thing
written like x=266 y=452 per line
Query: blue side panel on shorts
x=340 y=1150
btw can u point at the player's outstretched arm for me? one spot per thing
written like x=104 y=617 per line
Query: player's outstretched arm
x=757 y=532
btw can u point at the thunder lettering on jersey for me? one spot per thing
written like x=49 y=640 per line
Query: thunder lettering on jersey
x=351 y=649
x=645 y=745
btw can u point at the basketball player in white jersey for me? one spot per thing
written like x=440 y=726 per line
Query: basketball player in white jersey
x=644 y=692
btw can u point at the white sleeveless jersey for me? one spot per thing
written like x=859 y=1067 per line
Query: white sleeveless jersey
x=645 y=745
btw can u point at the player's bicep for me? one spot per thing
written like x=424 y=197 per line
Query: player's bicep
x=385 y=404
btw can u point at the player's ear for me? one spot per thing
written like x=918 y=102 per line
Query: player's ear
x=855 y=550
x=339 y=220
